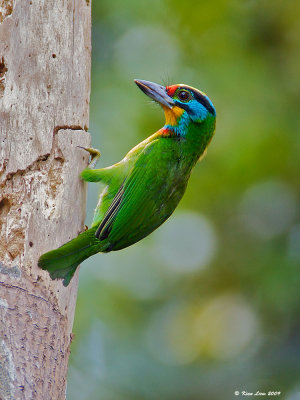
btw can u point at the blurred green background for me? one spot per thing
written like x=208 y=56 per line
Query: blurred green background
x=209 y=304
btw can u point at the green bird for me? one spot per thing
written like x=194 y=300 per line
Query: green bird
x=142 y=190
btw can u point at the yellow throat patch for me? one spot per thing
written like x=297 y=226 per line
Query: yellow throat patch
x=173 y=114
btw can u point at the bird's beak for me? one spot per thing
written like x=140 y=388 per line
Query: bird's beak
x=155 y=92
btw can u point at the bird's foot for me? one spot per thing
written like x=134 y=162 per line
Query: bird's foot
x=95 y=155
x=84 y=229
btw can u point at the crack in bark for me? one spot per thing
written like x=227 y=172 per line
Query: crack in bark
x=3 y=70
x=71 y=127
x=35 y=189
x=43 y=157
x=38 y=183
x=7 y=285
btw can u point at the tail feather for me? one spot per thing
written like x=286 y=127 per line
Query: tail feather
x=63 y=262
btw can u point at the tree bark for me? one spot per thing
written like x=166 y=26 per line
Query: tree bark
x=45 y=55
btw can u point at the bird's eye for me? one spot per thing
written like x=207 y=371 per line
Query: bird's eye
x=184 y=95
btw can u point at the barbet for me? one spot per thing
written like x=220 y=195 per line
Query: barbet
x=142 y=190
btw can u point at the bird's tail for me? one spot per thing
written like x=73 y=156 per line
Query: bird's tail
x=62 y=262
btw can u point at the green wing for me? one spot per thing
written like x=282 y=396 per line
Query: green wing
x=109 y=175
x=112 y=177
x=107 y=221
x=145 y=199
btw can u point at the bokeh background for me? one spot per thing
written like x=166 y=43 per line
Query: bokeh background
x=209 y=304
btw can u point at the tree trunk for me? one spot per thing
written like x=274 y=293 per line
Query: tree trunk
x=44 y=110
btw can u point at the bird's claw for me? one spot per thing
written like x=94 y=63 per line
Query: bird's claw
x=94 y=153
x=84 y=229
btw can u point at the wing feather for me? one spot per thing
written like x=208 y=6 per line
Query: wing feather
x=146 y=198
x=105 y=225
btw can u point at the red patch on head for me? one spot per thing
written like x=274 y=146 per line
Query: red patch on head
x=171 y=90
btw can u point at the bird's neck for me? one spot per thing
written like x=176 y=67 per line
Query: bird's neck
x=195 y=137
x=199 y=135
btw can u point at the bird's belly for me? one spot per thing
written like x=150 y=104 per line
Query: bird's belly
x=148 y=218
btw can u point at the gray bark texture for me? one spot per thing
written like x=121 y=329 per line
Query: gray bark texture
x=45 y=52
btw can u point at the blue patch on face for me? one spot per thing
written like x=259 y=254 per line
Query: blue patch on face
x=197 y=111
x=198 y=105
x=181 y=128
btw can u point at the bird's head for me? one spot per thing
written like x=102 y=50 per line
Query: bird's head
x=182 y=104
